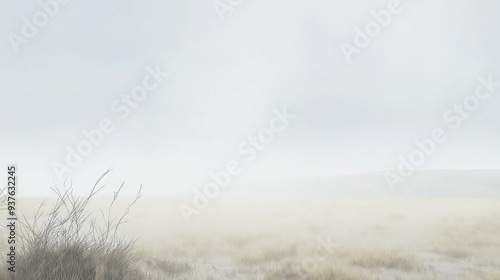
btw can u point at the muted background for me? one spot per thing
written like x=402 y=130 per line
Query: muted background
x=226 y=78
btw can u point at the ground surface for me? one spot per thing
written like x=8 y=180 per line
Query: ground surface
x=366 y=238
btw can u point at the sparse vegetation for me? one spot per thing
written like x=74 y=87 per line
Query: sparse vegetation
x=70 y=243
x=377 y=239
x=385 y=259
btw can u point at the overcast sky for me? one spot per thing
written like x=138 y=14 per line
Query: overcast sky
x=227 y=76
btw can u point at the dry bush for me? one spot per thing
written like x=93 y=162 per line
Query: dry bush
x=71 y=242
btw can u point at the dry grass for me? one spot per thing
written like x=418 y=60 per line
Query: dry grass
x=377 y=238
x=385 y=259
x=338 y=273
x=487 y=275
x=67 y=242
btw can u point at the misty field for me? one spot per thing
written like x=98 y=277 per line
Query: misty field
x=316 y=238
